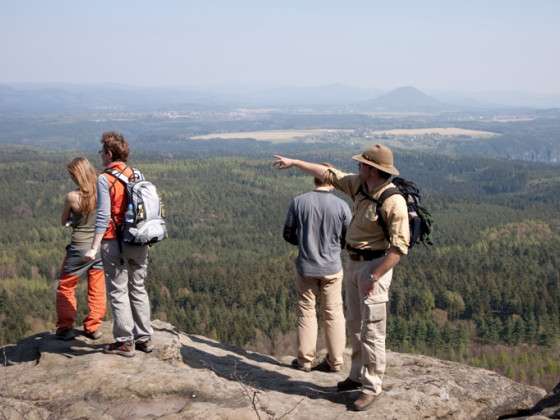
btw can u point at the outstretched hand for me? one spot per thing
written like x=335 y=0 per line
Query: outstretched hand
x=281 y=162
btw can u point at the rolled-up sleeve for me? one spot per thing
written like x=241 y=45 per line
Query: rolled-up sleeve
x=103 y=211
x=396 y=215
x=342 y=181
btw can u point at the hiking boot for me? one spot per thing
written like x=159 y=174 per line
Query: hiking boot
x=348 y=385
x=93 y=335
x=364 y=401
x=325 y=366
x=65 y=334
x=296 y=365
x=145 y=346
x=125 y=348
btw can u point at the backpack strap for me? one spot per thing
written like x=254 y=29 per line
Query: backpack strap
x=119 y=175
x=389 y=192
x=137 y=175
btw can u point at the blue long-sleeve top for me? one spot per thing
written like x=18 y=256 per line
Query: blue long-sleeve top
x=103 y=212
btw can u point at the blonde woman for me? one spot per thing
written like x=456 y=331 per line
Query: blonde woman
x=79 y=213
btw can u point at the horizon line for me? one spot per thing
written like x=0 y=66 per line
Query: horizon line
x=274 y=86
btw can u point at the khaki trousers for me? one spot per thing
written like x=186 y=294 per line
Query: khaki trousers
x=366 y=320
x=328 y=290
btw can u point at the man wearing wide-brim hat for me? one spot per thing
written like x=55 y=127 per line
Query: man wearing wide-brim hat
x=373 y=253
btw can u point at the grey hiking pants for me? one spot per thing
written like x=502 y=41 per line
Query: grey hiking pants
x=125 y=274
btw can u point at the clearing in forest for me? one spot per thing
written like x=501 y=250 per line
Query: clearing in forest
x=277 y=136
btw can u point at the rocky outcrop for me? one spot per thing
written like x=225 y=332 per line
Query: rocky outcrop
x=546 y=408
x=193 y=377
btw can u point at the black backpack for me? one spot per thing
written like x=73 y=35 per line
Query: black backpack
x=419 y=218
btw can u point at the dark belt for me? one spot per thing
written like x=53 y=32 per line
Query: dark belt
x=356 y=254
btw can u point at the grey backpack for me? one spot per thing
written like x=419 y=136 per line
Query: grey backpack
x=144 y=222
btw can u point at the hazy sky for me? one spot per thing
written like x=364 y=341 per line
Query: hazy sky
x=452 y=45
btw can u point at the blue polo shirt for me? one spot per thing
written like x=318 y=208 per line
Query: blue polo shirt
x=316 y=222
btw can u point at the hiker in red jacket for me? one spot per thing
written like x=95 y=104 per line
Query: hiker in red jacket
x=125 y=265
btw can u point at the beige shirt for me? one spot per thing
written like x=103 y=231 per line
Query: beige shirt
x=364 y=232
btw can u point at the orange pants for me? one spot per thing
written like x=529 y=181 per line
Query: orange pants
x=66 y=307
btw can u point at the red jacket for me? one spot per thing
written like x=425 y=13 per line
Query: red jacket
x=118 y=198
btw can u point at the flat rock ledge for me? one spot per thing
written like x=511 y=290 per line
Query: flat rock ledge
x=193 y=377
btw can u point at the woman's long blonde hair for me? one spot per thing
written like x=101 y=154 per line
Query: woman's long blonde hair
x=83 y=174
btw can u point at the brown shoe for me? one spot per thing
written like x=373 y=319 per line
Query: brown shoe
x=144 y=346
x=348 y=385
x=93 y=335
x=125 y=348
x=325 y=366
x=364 y=401
x=65 y=334
x=296 y=365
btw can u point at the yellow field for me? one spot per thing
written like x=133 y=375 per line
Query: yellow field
x=438 y=131
x=276 y=136
x=285 y=136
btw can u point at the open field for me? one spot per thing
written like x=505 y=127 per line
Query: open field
x=277 y=136
x=436 y=131
x=511 y=119
x=285 y=136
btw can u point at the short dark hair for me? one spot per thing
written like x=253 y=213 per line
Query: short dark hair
x=116 y=144
x=322 y=183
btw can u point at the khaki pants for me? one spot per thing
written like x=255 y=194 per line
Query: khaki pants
x=366 y=318
x=329 y=290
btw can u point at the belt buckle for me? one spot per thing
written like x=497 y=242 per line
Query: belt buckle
x=354 y=256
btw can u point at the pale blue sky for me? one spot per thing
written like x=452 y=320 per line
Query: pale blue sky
x=450 y=45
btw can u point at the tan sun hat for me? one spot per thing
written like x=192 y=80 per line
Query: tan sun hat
x=379 y=157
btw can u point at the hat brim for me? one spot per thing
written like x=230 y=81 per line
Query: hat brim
x=385 y=168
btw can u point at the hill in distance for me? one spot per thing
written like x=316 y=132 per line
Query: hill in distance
x=405 y=99
x=69 y=98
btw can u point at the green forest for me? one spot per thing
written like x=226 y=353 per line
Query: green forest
x=487 y=293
